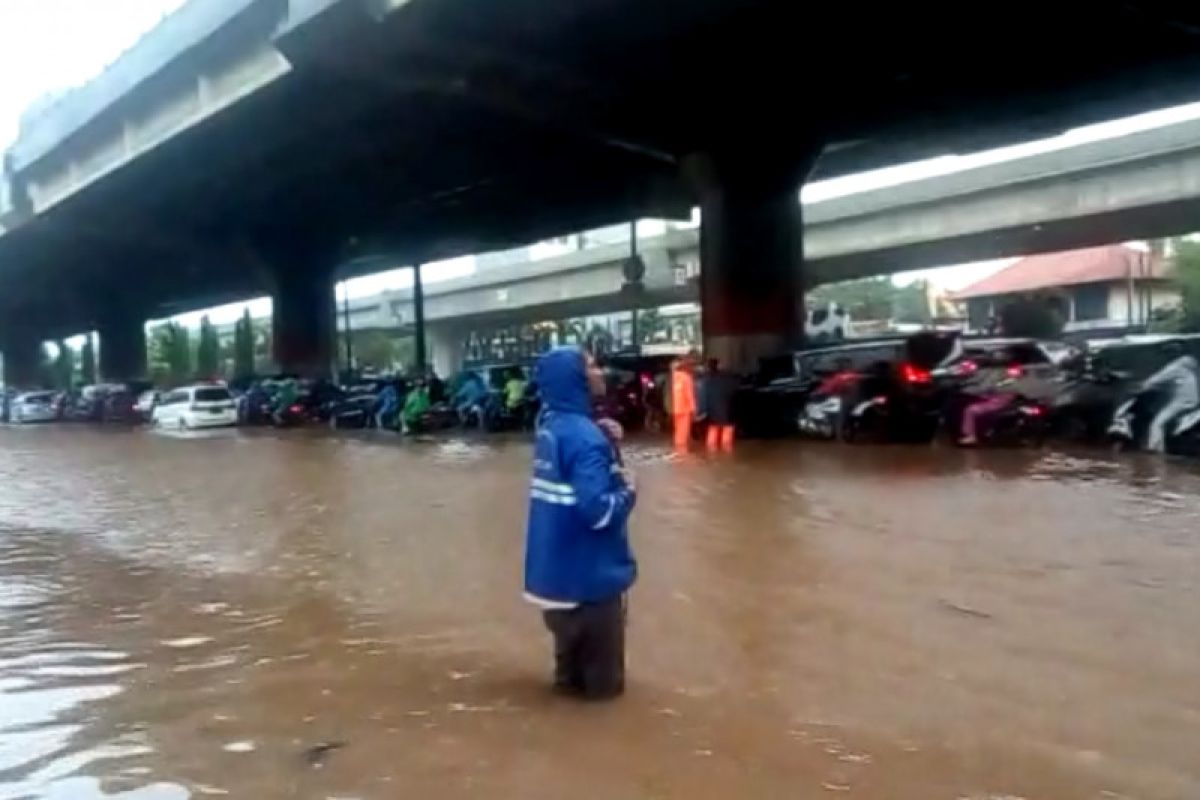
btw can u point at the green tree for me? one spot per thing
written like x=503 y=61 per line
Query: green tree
x=243 y=346
x=1032 y=317
x=62 y=371
x=868 y=298
x=911 y=303
x=405 y=352
x=87 y=361
x=374 y=348
x=208 y=351
x=651 y=326
x=262 y=346
x=1187 y=276
x=170 y=354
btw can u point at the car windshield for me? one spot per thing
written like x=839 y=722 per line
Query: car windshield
x=215 y=394
x=39 y=399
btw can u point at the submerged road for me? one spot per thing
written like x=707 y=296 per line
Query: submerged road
x=301 y=616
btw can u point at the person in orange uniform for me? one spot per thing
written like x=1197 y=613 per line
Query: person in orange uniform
x=683 y=400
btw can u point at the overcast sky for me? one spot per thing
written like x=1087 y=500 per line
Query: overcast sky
x=53 y=45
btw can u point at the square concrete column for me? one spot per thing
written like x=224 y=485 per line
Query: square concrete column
x=752 y=247
x=22 y=360
x=303 y=330
x=751 y=272
x=122 y=347
x=446 y=347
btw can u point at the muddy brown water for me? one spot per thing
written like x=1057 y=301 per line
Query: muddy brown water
x=303 y=616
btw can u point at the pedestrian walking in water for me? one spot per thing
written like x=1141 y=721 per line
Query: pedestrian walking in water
x=683 y=399
x=718 y=400
x=578 y=561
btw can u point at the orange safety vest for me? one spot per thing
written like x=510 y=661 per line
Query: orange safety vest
x=683 y=392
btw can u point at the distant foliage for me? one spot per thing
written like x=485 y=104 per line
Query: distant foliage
x=170 y=354
x=208 y=351
x=87 y=361
x=1187 y=274
x=243 y=346
x=62 y=369
x=876 y=299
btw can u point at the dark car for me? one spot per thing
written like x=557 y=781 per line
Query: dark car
x=356 y=405
x=86 y=405
x=898 y=398
x=120 y=406
x=776 y=404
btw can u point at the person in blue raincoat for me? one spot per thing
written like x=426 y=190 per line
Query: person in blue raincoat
x=578 y=561
x=387 y=405
x=470 y=396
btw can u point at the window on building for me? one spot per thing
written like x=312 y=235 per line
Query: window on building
x=1091 y=302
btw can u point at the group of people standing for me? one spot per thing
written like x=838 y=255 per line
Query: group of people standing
x=701 y=394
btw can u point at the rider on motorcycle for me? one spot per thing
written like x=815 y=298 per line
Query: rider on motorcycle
x=285 y=396
x=469 y=396
x=514 y=389
x=387 y=405
x=999 y=384
x=416 y=405
x=1180 y=379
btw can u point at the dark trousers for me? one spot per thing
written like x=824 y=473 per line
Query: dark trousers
x=589 y=648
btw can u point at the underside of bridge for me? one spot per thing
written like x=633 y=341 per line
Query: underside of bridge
x=433 y=128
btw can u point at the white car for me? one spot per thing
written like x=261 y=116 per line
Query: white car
x=34 y=407
x=195 y=407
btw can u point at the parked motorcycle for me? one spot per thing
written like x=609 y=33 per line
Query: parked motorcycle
x=821 y=417
x=497 y=416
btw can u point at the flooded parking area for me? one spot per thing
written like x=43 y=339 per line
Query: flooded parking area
x=298 y=615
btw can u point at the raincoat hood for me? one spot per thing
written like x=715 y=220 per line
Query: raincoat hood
x=561 y=376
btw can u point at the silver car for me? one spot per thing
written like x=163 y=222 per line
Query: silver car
x=34 y=407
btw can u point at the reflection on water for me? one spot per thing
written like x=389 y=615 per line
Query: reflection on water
x=288 y=614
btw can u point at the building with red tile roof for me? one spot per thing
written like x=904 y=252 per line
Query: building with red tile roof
x=1096 y=287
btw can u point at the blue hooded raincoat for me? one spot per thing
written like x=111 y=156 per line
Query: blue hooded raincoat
x=577 y=543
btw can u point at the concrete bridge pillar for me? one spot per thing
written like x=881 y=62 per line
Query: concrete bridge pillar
x=22 y=360
x=445 y=349
x=122 y=347
x=751 y=257
x=303 y=337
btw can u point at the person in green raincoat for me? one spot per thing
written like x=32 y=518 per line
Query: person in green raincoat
x=416 y=404
x=285 y=396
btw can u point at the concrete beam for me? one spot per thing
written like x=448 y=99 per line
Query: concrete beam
x=48 y=129
x=179 y=103
x=1106 y=204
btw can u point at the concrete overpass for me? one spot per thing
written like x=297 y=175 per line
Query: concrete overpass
x=1143 y=185
x=251 y=145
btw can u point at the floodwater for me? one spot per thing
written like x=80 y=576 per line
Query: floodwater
x=294 y=615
